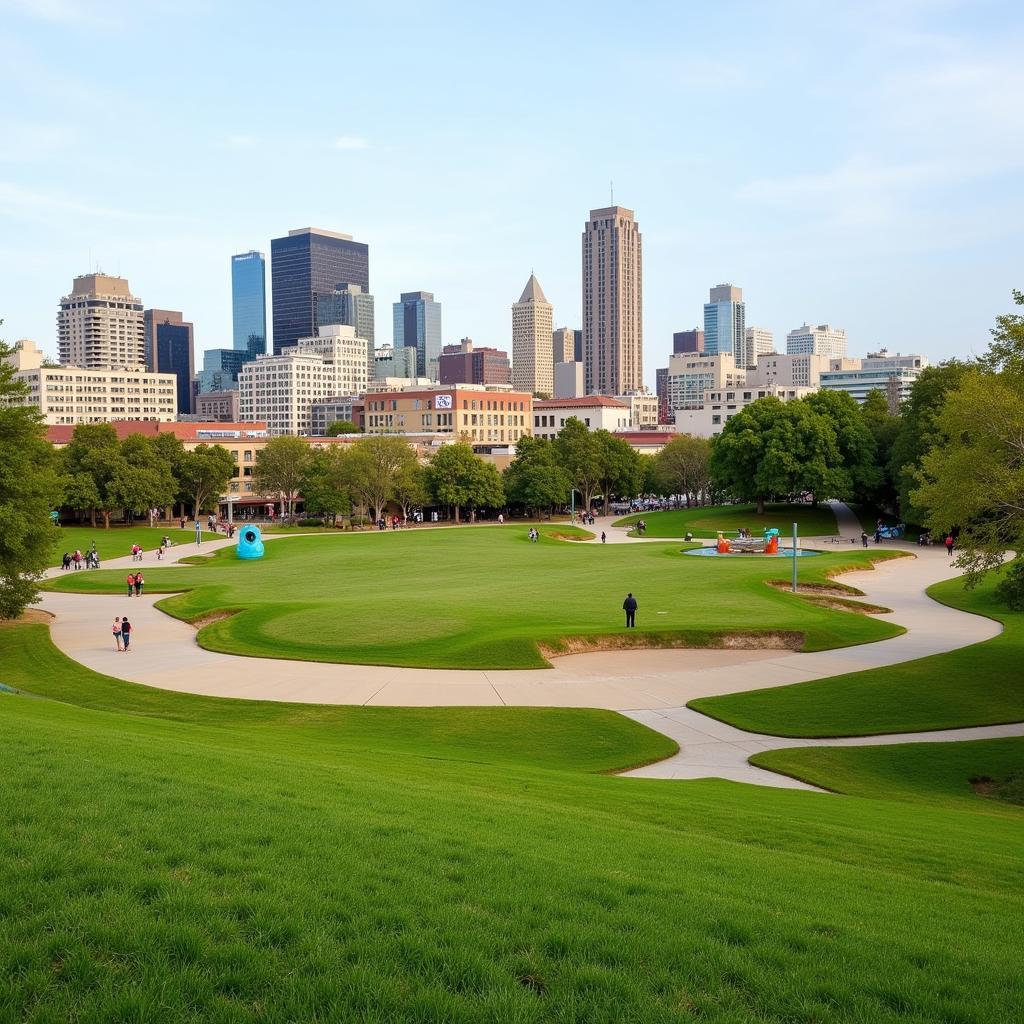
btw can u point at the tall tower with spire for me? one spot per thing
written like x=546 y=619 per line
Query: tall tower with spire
x=532 y=359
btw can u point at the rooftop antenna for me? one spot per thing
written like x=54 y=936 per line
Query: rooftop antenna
x=611 y=191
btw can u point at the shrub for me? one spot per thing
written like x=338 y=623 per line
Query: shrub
x=1010 y=589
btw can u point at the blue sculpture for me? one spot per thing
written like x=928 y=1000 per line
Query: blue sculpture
x=250 y=543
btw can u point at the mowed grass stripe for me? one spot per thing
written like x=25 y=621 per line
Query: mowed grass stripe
x=482 y=598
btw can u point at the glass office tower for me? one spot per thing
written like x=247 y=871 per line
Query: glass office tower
x=347 y=304
x=417 y=324
x=169 y=348
x=249 y=303
x=220 y=369
x=305 y=263
x=725 y=323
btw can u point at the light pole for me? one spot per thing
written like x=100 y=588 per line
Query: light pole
x=794 y=558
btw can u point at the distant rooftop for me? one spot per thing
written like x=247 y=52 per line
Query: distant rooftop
x=320 y=231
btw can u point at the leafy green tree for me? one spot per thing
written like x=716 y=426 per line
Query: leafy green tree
x=973 y=475
x=577 y=451
x=411 y=487
x=90 y=463
x=143 y=480
x=1006 y=351
x=203 y=474
x=29 y=489
x=883 y=427
x=683 y=467
x=323 y=485
x=339 y=427
x=280 y=468
x=856 y=475
x=171 y=451
x=620 y=471
x=535 y=479
x=457 y=476
x=918 y=431
x=372 y=467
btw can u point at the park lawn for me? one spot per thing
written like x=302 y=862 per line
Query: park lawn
x=190 y=859
x=931 y=772
x=118 y=540
x=811 y=521
x=483 y=598
x=982 y=684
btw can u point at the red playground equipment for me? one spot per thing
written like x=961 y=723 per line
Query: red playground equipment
x=744 y=544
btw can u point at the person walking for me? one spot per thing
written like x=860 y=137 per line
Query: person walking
x=863 y=538
x=949 y=544
x=629 y=607
x=65 y=562
x=131 y=583
x=139 y=584
x=604 y=539
x=77 y=559
x=117 y=631
x=126 y=632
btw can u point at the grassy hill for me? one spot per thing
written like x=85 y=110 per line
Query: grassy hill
x=812 y=521
x=174 y=858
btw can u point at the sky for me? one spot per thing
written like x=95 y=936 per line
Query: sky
x=852 y=163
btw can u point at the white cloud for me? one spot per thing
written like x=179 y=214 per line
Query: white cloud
x=350 y=142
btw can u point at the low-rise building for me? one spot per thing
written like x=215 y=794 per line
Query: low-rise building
x=217 y=406
x=691 y=374
x=892 y=375
x=595 y=412
x=466 y=364
x=569 y=380
x=338 y=409
x=719 y=406
x=483 y=415
x=820 y=340
x=73 y=394
x=795 y=370
x=643 y=409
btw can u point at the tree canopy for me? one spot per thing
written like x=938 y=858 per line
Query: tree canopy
x=280 y=468
x=458 y=477
x=372 y=467
x=683 y=467
x=535 y=479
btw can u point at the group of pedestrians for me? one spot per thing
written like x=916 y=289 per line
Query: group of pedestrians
x=135 y=583
x=122 y=632
x=534 y=535
x=76 y=560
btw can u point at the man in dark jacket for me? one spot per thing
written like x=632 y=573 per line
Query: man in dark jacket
x=629 y=607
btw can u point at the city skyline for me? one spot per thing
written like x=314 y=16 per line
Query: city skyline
x=832 y=206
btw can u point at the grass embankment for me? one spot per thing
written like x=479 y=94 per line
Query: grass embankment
x=978 y=685
x=482 y=598
x=924 y=772
x=706 y=522
x=191 y=859
x=117 y=542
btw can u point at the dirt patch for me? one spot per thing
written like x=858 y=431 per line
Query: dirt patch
x=839 y=604
x=211 y=617
x=556 y=535
x=34 y=616
x=766 y=641
x=815 y=589
x=983 y=786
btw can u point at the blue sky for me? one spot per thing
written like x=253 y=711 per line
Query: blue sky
x=856 y=163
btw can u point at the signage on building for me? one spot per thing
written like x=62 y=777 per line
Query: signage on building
x=442 y=401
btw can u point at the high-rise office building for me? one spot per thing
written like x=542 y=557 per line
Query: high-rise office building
x=661 y=390
x=249 y=303
x=417 y=324
x=100 y=324
x=725 y=323
x=613 y=335
x=563 y=345
x=533 y=369
x=221 y=367
x=305 y=263
x=688 y=341
x=822 y=340
x=757 y=341
x=170 y=348
x=348 y=304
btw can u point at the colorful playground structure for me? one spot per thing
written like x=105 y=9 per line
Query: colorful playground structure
x=745 y=544
x=250 y=543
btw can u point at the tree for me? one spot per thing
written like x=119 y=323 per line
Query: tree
x=534 y=479
x=339 y=427
x=323 y=485
x=457 y=476
x=280 y=468
x=411 y=487
x=204 y=473
x=620 y=471
x=918 y=431
x=857 y=474
x=578 y=453
x=29 y=490
x=883 y=427
x=682 y=467
x=143 y=480
x=90 y=464
x=1006 y=351
x=372 y=467
x=973 y=475
x=171 y=451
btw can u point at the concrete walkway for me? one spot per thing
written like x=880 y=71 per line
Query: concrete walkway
x=650 y=686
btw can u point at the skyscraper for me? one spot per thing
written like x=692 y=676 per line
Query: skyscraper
x=688 y=341
x=563 y=345
x=533 y=367
x=348 y=304
x=417 y=324
x=170 y=349
x=725 y=323
x=758 y=341
x=613 y=335
x=249 y=303
x=100 y=324
x=303 y=264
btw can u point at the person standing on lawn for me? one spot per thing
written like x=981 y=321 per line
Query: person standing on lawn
x=629 y=606
x=131 y=583
x=139 y=582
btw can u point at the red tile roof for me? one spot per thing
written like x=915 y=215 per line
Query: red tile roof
x=589 y=402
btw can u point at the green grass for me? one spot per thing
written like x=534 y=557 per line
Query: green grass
x=481 y=598
x=117 y=542
x=929 y=772
x=174 y=858
x=982 y=684
x=706 y=522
